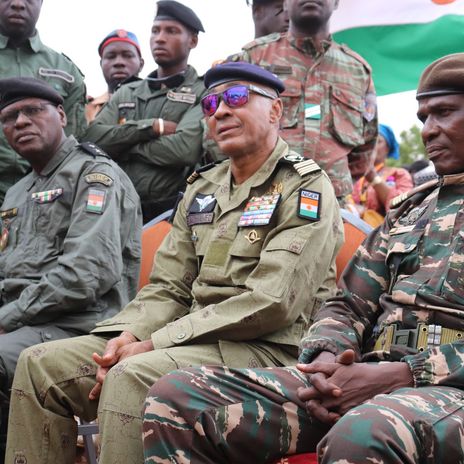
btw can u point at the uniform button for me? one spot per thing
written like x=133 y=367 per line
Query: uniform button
x=20 y=324
x=47 y=335
x=181 y=336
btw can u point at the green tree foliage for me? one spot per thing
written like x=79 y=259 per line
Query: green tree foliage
x=411 y=147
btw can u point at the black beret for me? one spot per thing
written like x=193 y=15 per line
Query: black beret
x=444 y=76
x=241 y=71
x=18 y=88
x=170 y=9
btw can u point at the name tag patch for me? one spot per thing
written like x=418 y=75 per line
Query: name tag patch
x=259 y=210
x=312 y=111
x=95 y=201
x=309 y=203
x=182 y=97
x=48 y=196
x=98 y=178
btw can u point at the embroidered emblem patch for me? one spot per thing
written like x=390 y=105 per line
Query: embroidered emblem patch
x=96 y=201
x=312 y=111
x=259 y=210
x=201 y=209
x=253 y=237
x=98 y=178
x=47 y=196
x=309 y=205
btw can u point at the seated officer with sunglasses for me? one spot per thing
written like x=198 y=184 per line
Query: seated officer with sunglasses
x=70 y=230
x=249 y=259
x=381 y=373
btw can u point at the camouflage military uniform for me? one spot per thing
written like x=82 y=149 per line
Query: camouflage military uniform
x=157 y=166
x=34 y=59
x=219 y=293
x=329 y=101
x=408 y=272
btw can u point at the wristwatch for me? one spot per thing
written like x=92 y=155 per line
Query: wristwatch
x=376 y=180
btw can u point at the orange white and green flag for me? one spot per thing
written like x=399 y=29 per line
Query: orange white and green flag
x=399 y=38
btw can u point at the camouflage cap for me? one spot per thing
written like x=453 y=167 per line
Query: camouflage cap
x=172 y=10
x=241 y=71
x=444 y=76
x=15 y=89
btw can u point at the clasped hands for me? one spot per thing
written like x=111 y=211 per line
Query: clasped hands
x=338 y=383
x=116 y=350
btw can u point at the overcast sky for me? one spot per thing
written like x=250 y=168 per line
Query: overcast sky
x=76 y=27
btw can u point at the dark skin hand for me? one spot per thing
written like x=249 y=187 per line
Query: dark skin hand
x=342 y=384
x=116 y=350
x=169 y=127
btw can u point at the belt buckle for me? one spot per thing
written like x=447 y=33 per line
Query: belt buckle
x=406 y=337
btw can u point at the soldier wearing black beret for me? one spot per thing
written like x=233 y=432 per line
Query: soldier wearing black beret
x=151 y=127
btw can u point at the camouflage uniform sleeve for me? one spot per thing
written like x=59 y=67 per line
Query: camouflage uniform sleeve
x=74 y=106
x=370 y=131
x=91 y=262
x=276 y=292
x=345 y=321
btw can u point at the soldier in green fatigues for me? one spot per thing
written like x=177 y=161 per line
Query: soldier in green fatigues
x=70 y=230
x=329 y=100
x=247 y=263
x=22 y=53
x=380 y=377
x=152 y=127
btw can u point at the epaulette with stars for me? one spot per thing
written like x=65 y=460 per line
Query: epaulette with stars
x=302 y=165
x=196 y=174
x=93 y=149
x=396 y=201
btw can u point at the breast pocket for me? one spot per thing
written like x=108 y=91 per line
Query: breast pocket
x=291 y=99
x=453 y=278
x=346 y=116
x=403 y=255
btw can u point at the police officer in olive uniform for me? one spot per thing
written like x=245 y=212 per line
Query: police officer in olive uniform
x=248 y=260
x=152 y=127
x=70 y=229
x=22 y=53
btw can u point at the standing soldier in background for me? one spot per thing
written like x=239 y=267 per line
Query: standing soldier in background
x=330 y=110
x=23 y=54
x=269 y=16
x=152 y=128
x=120 y=60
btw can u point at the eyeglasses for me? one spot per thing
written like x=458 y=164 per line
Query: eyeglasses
x=9 y=118
x=233 y=97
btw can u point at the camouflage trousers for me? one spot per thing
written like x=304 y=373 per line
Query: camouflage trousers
x=219 y=415
x=52 y=383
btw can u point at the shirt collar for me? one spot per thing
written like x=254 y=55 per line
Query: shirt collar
x=34 y=42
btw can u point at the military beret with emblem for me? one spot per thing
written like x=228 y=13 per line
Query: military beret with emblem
x=241 y=71
x=15 y=89
x=444 y=76
x=175 y=11
x=119 y=35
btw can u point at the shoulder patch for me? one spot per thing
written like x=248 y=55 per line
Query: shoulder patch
x=196 y=174
x=93 y=149
x=396 y=201
x=98 y=178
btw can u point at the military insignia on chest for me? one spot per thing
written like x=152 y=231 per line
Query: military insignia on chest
x=413 y=216
x=259 y=210
x=182 y=97
x=309 y=204
x=47 y=196
x=201 y=209
x=6 y=217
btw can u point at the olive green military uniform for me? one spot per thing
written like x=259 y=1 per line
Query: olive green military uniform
x=158 y=166
x=70 y=251
x=34 y=59
x=220 y=293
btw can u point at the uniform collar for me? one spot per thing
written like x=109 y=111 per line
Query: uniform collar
x=308 y=46
x=63 y=152
x=34 y=42
x=171 y=82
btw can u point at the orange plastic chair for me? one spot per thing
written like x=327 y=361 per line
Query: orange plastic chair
x=356 y=230
x=152 y=235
